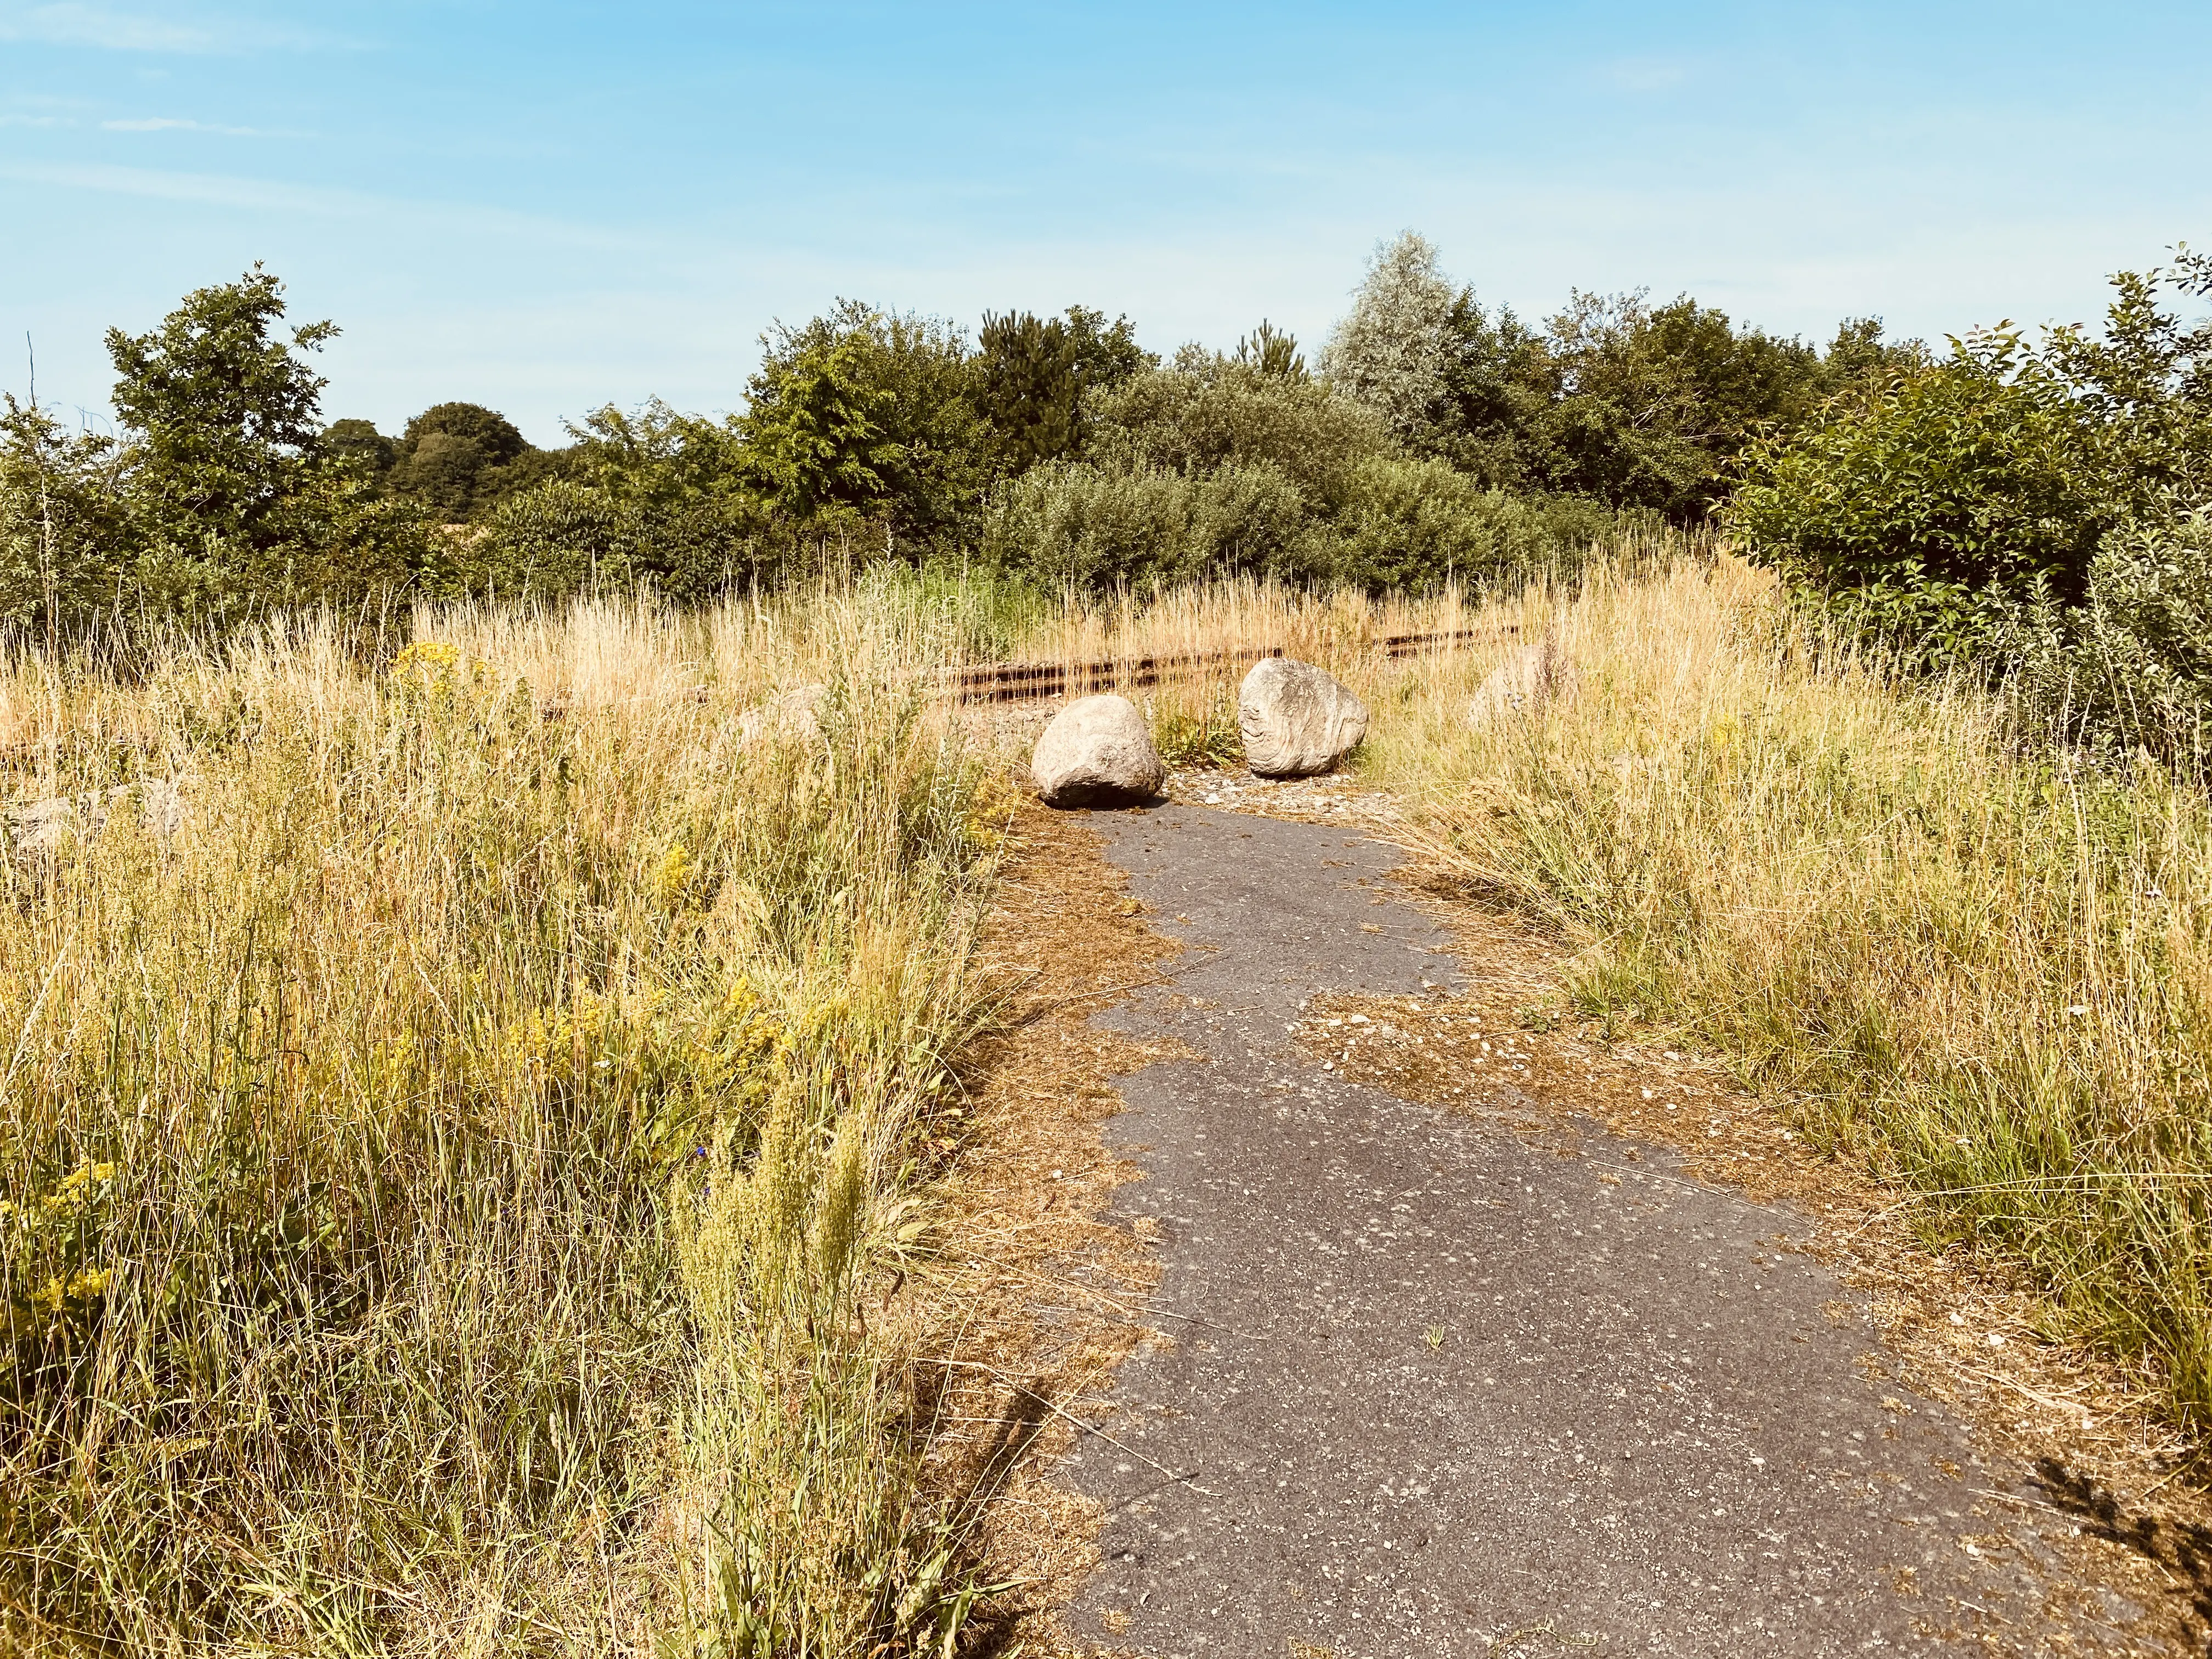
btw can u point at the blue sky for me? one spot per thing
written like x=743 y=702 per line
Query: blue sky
x=551 y=206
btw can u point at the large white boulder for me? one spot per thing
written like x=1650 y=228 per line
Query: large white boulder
x=1097 y=752
x=1297 y=719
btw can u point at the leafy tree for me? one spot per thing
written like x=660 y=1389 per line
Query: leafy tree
x=1636 y=406
x=1107 y=355
x=234 y=499
x=865 y=415
x=461 y=457
x=658 y=457
x=223 y=414
x=1858 y=359
x=1495 y=386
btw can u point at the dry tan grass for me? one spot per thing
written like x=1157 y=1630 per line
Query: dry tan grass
x=435 y=1174
x=1034 y=1293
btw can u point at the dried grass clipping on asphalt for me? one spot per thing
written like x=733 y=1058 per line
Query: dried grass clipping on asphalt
x=1036 y=1294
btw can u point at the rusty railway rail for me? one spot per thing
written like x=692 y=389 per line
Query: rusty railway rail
x=1029 y=682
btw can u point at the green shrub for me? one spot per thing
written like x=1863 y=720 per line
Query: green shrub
x=61 y=523
x=1413 y=524
x=1207 y=412
x=1921 y=510
x=1074 y=524
x=2132 y=668
x=564 y=538
x=1932 y=506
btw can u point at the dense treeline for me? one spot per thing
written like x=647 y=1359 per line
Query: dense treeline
x=2030 y=509
x=1431 y=439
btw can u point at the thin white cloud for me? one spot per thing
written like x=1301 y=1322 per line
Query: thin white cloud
x=267 y=196
x=69 y=23
x=211 y=189
x=34 y=121
x=172 y=124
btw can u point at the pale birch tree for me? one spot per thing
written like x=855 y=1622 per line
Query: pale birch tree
x=1390 y=351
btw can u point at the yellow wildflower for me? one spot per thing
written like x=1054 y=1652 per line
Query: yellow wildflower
x=74 y=1191
x=432 y=666
x=673 y=877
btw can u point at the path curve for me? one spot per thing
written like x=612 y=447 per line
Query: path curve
x=1430 y=1389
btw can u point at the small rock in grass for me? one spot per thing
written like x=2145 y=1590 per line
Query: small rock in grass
x=793 y=717
x=1097 y=752
x=44 y=826
x=1533 y=680
x=1297 y=720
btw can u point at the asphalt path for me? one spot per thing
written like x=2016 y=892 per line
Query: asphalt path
x=1425 y=1388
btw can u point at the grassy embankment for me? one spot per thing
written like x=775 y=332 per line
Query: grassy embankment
x=438 y=1178
x=442 y=1177
x=1986 y=971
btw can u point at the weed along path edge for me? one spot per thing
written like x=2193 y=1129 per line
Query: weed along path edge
x=1423 y=1385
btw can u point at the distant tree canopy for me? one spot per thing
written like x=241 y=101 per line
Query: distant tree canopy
x=1029 y=376
x=359 y=444
x=1634 y=405
x=457 y=461
x=1433 y=437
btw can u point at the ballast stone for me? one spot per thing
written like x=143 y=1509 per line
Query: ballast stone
x=1097 y=752
x=1296 y=719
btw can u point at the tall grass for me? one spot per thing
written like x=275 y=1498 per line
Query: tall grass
x=439 y=1176
x=1990 y=970
x=450 y=1178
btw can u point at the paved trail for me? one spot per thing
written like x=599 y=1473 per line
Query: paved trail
x=1440 y=1392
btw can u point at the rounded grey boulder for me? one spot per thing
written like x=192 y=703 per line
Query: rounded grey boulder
x=1296 y=719
x=1097 y=752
